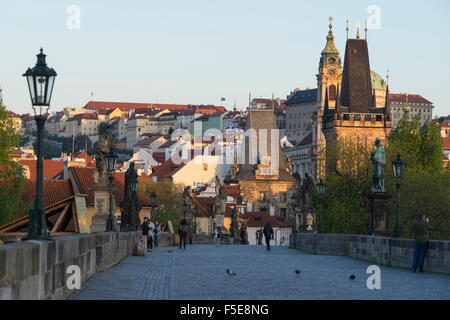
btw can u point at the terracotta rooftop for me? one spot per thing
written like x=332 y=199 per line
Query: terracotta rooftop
x=412 y=98
x=446 y=141
x=51 y=167
x=54 y=191
x=83 y=182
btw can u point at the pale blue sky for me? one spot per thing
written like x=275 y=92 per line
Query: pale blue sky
x=197 y=51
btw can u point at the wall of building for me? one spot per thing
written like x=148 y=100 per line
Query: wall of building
x=37 y=269
x=377 y=250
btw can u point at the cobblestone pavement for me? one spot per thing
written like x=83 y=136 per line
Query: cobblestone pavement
x=199 y=273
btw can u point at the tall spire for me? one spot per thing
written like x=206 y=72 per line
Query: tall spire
x=234 y=108
x=387 y=107
x=387 y=103
x=330 y=47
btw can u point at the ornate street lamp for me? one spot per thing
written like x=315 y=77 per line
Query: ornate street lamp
x=40 y=81
x=321 y=190
x=398 y=166
x=111 y=161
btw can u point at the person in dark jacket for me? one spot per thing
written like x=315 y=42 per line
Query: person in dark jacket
x=420 y=230
x=268 y=233
x=145 y=232
x=183 y=232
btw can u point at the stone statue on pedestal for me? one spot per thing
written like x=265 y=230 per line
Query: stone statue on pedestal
x=130 y=207
x=378 y=197
x=379 y=160
x=101 y=184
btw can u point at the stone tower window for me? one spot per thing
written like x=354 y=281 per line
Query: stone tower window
x=332 y=92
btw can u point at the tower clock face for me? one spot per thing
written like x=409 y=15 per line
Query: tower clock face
x=332 y=73
x=332 y=60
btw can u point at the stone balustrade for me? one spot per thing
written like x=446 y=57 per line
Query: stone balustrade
x=394 y=252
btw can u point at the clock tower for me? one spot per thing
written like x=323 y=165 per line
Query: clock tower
x=330 y=72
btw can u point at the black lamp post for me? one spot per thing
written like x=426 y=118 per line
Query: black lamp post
x=398 y=166
x=321 y=190
x=40 y=81
x=111 y=161
x=184 y=208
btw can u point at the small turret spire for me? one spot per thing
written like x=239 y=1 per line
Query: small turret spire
x=365 y=30
x=357 y=30
x=387 y=107
x=347 y=29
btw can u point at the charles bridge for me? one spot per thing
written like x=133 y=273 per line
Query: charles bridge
x=38 y=269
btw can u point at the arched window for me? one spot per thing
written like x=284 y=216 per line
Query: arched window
x=332 y=92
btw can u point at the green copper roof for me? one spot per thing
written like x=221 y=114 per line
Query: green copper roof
x=378 y=82
x=330 y=48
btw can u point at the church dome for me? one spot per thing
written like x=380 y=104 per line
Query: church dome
x=378 y=82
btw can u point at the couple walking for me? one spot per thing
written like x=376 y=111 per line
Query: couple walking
x=151 y=230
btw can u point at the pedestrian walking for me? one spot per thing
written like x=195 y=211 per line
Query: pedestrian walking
x=145 y=231
x=268 y=233
x=183 y=232
x=260 y=236
x=420 y=229
x=156 y=232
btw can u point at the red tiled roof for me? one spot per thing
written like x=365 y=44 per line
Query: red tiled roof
x=84 y=116
x=205 y=206
x=233 y=191
x=51 y=167
x=160 y=157
x=166 y=170
x=412 y=98
x=127 y=106
x=84 y=180
x=90 y=162
x=444 y=123
x=54 y=191
x=260 y=219
x=446 y=143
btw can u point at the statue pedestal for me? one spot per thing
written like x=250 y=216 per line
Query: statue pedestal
x=101 y=213
x=378 y=213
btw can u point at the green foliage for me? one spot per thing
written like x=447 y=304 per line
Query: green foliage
x=169 y=200
x=424 y=188
x=344 y=202
x=11 y=173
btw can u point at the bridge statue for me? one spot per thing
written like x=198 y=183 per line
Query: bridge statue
x=379 y=160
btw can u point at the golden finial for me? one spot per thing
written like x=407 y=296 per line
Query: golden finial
x=330 y=25
x=365 y=29
x=347 y=29
x=357 y=29
x=387 y=78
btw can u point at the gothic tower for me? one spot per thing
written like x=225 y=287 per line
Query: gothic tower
x=330 y=72
x=355 y=115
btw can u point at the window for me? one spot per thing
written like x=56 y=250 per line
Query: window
x=332 y=92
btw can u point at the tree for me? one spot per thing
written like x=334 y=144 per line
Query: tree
x=11 y=173
x=425 y=185
x=169 y=199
